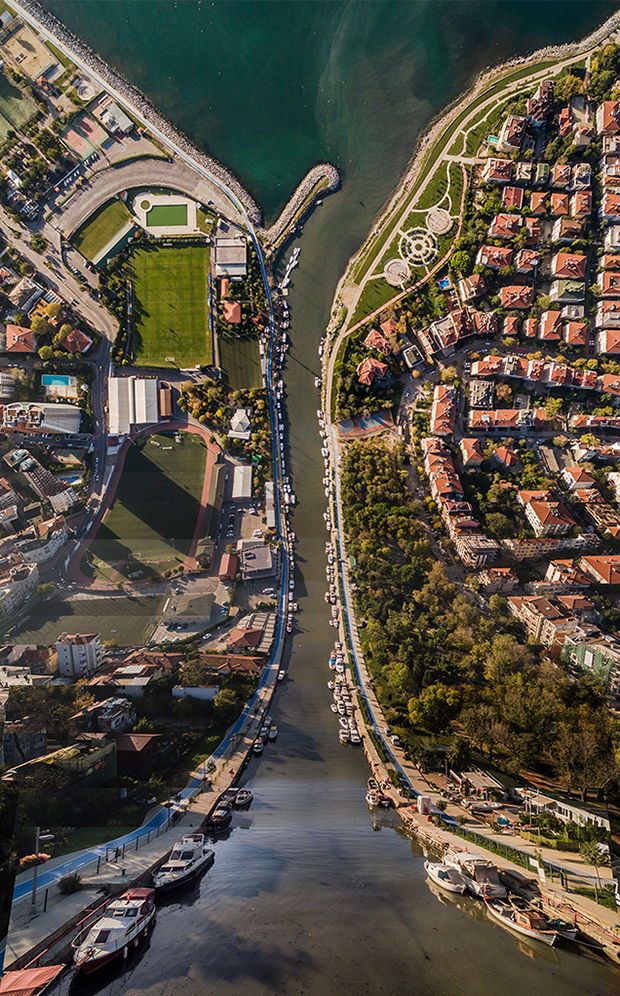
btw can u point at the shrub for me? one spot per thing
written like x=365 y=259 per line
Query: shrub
x=69 y=884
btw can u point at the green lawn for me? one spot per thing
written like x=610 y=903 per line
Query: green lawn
x=15 y=108
x=240 y=361
x=171 y=325
x=102 y=226
x=167 y=214
x=153 y=516
x=128 y=621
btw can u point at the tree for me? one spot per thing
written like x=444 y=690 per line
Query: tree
x=460 y=260
x=434 y=708
x=582 y=751
x=39 y=325
x=553 y=407
x=45 y=352
x=590 y=853
x=53 y=309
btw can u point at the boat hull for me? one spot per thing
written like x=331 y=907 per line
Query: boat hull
x=443 y=883
x=548 y=937
x=188 y=877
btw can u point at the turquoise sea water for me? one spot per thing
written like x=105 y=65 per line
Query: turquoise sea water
x=270 y=87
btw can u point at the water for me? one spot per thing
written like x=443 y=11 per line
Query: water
x=306 y=896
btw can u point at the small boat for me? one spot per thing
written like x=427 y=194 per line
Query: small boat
x=372 y=785
x=244 y=798
x=258 y=747
x=273 y=732
x=330 y=685
x=187 y=858
x=281 y=675
x=333 y=707
x=529 y=922
x=355 y=737
x=220 y=817
x=344 y=723
x=372 y=799
x=317 y=381
x=125 y=921
x=447 y=878
x=344 y=736
x=479 y=873
x=289 y=627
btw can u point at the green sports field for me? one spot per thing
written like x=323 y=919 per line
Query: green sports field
x=15 y=108
x=240 y=361
x=128 y=621
x=167 y=215
x=102 y=226
x=153 y=517
x=170 y=322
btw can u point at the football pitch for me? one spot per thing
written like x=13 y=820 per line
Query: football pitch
x=152 y=519
x=170 y=321
x=100 y=228
x=128 y=621
x=240 y=360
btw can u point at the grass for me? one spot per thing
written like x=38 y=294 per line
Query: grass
x=206 y=220
x=240 y=361
x=170 y=306
x=171 y=215
x=15 y=108
x=128 y=621
x=100 y=228
x=82 y=838
x=153 y=516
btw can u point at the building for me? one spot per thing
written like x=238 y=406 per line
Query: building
x=240 y=424
x=497 y=171
x=505 y=226
x=472 y=287
x=23 y=740
x=608 y=118
x=115 y=120
x=370 y=368
x=90 y=759
x=471 y=452
x=30 y=417
x=79 y=655
x=231 y=312
x=132 y=401
x=442 y=411
x=543 y=621
x=17 y=580
x=549 y=518
x=495 y=257
x=242 y=482
x=602 y=570
x=569 y=265
x=20 y=340
x=507 y=459
x=577 y=479
x=540 y=105
x=566 y=574
x=230 y=256
x=228 y=567
x=374 y=340
x=257 y=560
x=113 y=715
x=510 y=138
x=517 y=296
x=497 y=579
x=76 y=342
x=136 y=753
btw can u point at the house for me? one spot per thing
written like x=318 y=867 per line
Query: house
x=240 y=424
x=24 y=740
x=567 y=291
x=560 y=204
x=566 y=574
x=497 y=579
x=497 y=171
x=527 y=260
x=611 y=239
x=370 y=368
x=20 y=340
x=471 y=287
x=607 y=315
x=510 y=326
x=517 y=296
x=76 y=342
x=581 y=204
x=550 y=326
x=561 y=176
x=24 y=294
x=510 y=138
x=565 y=123
x=610 y=206
x=512 y=197
x=388 y=327
x=530 y=328
x=523 y=173
x=79 y=654
x=228 y=567
x=533 y=229
x=538 y=203
x=374 y=340
x=582 y=176
x=471 y=453
x=442 y=411
x=495 y=257
x=577 y=479
x=506 y=459
x=609 y=283
x=608 y=341
x=575 y=333
x=569 y=265
x=505 y=226
x=231 y=312
x=602 y=570
x=137 y=753
x=608 y=118
x=112 y=715
x=485 y=323
x=540 y=104
x=549 y=518
x=567 y=229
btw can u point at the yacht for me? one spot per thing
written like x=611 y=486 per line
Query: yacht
x=447 y=878
x=372 y=799
x=125 y=921
x=188 y=857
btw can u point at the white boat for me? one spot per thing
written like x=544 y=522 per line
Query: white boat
x=344 y=736
x=281 y=675
x=330 y=685
x=124 y=923
x=480 y=874
x=317 y=381
x=333 y=707
x=447 y=878
x=244 y=798
x=372 y=799
x=187 y=858
x=258 y=747
x=273 y=732
x=529 y=922
x=354 y=737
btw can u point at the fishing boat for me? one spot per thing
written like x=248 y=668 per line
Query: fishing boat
x=479 y=873
x=372 y=799
x=124 y=923
x=344 y=736
x=244 y=798
x=188 y=857
x=529 y=922
x=447 y=878
x=372 y=785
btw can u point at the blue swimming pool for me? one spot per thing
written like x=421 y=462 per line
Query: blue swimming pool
x=57 y=380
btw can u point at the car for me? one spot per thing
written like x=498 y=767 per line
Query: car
x=387 y=732
x=395 y=740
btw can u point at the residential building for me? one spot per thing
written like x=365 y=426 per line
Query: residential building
x=577 y=478
x=510 y=138
x=569 y=265
x=598 y=654
x=549 y=518
x=471 y=453
x=113 y=715
x=24 y=740
x=494 y=257
x=517 y=296
x=443 y=410
x=543 y=621
x=471 y=287
x=512 y=197
x=497 y=171
x=567 y=229
x=497 y=580
x=228 y=567
x=567 y=574
x=20 y=340
x=374 y=340
x=481 y=394
x=608 y=117
x=506 y=459
x=76 y=342
x=602 y=570
x=505 y=226
x=540 y=105
x=136 y=753
x=17 y=580
x=550 y=326
x=527 y=260
x=370 y=368
x=79 y=655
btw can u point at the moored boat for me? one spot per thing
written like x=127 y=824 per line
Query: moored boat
x=529 y=922
x=372 y=785
x=344 y=736
x=447 y=878
x=188 y=857
x=125 y=921
x=244 y=798
x=479 y=873
x=372 y=799
x=258 y=747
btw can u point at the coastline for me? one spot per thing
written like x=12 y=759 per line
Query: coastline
x=435 y=128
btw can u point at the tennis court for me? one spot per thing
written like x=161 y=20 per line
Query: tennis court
x=83 y=135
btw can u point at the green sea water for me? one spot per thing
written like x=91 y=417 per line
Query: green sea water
x=270 y=87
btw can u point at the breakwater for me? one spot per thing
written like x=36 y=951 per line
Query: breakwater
x=318 y=181
x=135 y=101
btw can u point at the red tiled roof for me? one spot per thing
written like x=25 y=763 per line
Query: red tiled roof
x=374 y=340
x=570 y=265
x=370 y=368
x=517 y=296
x=549 y=325
x=505 y=226
x=538 y=203
x=19 y=340
x=575 y=333
x=512 y=197
x=76 y=342
x=232 y=312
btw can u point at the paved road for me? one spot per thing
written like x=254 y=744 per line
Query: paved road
x=141 y=173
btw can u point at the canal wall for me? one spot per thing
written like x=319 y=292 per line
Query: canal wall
x=320 y=180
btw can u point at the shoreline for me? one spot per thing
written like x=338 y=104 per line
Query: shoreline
x=435 y=128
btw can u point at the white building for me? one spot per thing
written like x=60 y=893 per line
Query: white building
x=242 y=482
x=79 y=654
x=131 y=401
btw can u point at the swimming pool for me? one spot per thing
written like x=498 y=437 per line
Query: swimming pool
x=58 y=380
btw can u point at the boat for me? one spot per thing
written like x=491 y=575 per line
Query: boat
x=479 y=873
x=354 y=737
x=244 y=798
x=447 y=878
x=188 y=857
x=372 y=785
x=125 y=921
x=258 y=747
x=281 y=675
x=317 y=381
x=344 y=736
x=344 y=723
x=289 y=627
x=331 y=685
x=372 y=799
x=220 y=817
x=529 y=922
x=333 y=707
x=273 y=732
